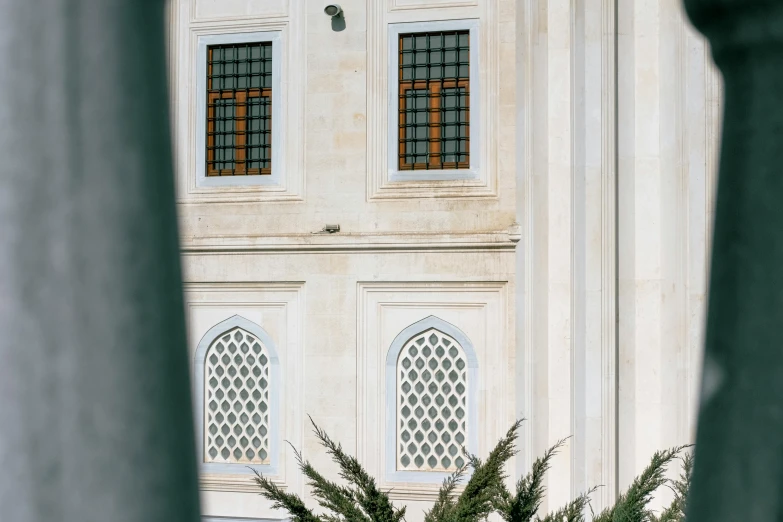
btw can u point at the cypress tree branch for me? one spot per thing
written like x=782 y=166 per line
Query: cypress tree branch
x=445 y=502
x=632 y=505
x=375 y=503
x=676 y=510
x=573 y=511
x=282 y=500
x=362 y=501
x=330 y=495
x=523 y=505
x=476 y=501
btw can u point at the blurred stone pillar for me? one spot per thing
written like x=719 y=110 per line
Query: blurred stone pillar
x=739 y=448
x=95 y=411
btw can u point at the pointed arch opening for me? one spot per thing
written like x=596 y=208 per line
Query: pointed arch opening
x=431 y=394
x=237 y=382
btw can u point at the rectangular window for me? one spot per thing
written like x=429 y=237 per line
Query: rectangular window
x=239 y=109
x=434 y=100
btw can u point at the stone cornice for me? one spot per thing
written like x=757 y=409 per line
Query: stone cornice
x=339 y=242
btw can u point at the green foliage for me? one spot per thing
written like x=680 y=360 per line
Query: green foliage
x=524 y=503
x=332 y=496
x=676 y=510
x=360 y=500
x=287 y=501
x=374 y=503
x=574 y=511
x=446 y=501
x=477 y=500
x=632 y=505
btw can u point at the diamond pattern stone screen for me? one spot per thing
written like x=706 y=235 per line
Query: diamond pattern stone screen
x=236 y=404
x=432 y=403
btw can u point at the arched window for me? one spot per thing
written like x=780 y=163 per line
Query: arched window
x=431 y=379
x=237 y=389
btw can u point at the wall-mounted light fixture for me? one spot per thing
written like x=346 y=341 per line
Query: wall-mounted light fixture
x=333 y=10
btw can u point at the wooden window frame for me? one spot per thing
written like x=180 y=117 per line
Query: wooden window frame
x=240 y=131
x=434 y=87
x=240 y=127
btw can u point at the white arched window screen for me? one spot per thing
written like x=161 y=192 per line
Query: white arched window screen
x=431 y=379
x=237 y=383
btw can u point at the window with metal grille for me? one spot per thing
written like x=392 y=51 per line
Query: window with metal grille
x=239 y=109
x=434 y=100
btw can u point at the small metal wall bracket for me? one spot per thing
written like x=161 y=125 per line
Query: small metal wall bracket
x=328 y=229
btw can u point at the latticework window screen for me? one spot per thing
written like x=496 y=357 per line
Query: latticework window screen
x=434 y=100
x=236 y=400
x=431 y=403
x=239 y=109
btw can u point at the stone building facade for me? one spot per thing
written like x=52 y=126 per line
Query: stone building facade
x=546 y=260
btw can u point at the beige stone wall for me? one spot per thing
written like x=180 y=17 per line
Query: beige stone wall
x=616 y=232
x=668 y=125
x=600 y=121
x=404 y=251
x=341 y=310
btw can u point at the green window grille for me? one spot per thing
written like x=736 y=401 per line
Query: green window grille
x=434 y=100
x=239 y=109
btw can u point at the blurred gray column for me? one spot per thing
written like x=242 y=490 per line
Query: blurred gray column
x=95 y=411
x=738 y=474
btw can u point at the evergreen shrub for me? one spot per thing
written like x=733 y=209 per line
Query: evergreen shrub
x=359 y=499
